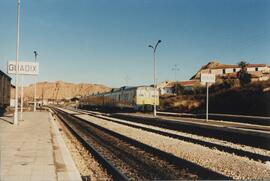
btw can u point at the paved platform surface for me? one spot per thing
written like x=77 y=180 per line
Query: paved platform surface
x=34 y=150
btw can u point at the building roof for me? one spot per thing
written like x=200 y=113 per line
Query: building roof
x=164 y=83
x=222 y=66
x=2 y=73
x=256 y=74
x=216 y=65
x=184 y=83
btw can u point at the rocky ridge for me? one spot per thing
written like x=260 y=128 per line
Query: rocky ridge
x=61 y=90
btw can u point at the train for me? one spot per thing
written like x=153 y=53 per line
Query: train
x=5 y=85
x=140 y=98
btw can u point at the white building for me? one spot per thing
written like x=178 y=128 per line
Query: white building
x=258 y=71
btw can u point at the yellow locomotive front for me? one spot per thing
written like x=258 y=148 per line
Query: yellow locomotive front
x=145 y=98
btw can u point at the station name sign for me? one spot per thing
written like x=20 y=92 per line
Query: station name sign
x=24 y=68
x=209 y=78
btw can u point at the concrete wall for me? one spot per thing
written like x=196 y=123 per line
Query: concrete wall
x=251 y=69
x=217 y=71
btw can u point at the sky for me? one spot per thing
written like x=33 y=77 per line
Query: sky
x=106 y=41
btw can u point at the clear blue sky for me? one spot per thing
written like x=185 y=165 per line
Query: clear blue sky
x=103 y=41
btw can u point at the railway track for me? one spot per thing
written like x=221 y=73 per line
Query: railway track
x=236 y=134
x=132 y=159
x=112 y=170
x=222 y=147
x=256 y=120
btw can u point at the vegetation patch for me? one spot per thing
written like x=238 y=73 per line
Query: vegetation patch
x=230 y=96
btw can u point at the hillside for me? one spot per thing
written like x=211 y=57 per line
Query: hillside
x=253 y=99
x=60 y=90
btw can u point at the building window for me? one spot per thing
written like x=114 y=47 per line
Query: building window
x=256 y=69
x=224 y=71
x=234 y=70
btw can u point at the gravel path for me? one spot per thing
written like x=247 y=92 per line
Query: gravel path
x=228 y=164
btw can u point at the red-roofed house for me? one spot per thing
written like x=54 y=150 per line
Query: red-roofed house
x=258 y=72
x=224 y=70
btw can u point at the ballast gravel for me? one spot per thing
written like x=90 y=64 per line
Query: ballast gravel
x=200 y=138
x=227 y=164
x=88 y=167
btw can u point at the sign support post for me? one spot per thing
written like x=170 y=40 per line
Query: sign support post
x=21 y=115
x=207 y=99
x=207 y=78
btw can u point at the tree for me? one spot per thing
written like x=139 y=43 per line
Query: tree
x=179 y=89
x=243 y=65
x=243 y=76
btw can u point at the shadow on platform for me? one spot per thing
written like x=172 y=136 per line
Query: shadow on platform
x=7 y=119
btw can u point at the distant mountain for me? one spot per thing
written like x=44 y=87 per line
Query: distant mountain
x=60 y=90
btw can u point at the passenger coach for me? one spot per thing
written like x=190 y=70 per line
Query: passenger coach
x=135 y=98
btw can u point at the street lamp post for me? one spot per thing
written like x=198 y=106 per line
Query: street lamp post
x=175 y=69
x=155 y=86
x=15 y=121
x=35 y=94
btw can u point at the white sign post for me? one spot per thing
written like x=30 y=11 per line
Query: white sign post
x=24 y=68
x=207 y=78
x=21 y=116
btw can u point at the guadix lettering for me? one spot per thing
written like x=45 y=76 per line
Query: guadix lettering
x=28 y=68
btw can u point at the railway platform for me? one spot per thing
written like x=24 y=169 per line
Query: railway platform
x=34 y=150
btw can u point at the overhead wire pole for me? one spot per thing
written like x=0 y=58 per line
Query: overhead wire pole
x=35 y=91
x=175 y=69
x=155 y=85
x=15 y=121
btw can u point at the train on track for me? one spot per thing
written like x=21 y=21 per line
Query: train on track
x=5 y=84
x=141 y=98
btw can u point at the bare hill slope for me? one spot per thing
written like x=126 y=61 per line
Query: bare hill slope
x=61 y=90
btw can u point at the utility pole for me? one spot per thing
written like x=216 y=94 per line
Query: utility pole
x=155 y=85
x=35 y=93
x=175 y=69
x=15 y=121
